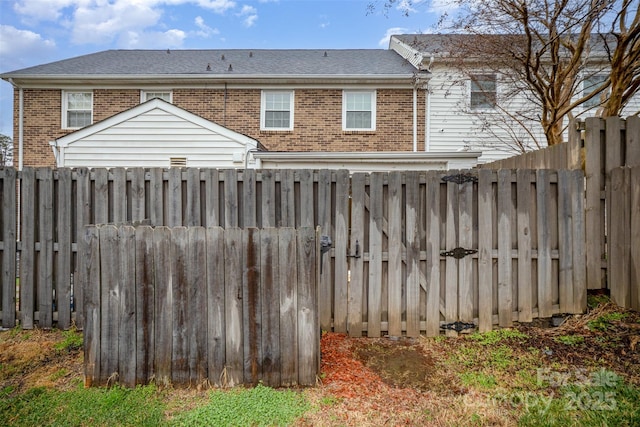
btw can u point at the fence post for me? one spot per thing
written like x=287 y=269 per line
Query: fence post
x=8 y=261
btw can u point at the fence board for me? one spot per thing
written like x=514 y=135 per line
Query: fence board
x=127 y=306
x=138 y=203
x=634 y=234
x=163 y=304
x=270 y=276
x=620 y=246
x=27 y=254
x=8 y=261
x=197 y=305
x=110 y=303
x=356 y=263
x=565 y=242
x=83 y=217
x=395 y=254
x=174 y=198
x=485 y=250
x=212 y=197
x=413 y=253
x=119 y=195
x=101 y=194
x=465 y=240
x=307 y=198
x=451 y=264
x=252 y=308
x=544 y=244
x=156 y=198
x=234 y=257
x=45 y=255
x=144 y=304
x=374 y=297
x=268 y=199
x=593 y=209
x=579 y=237
x=340 y=242
x=179 y=307
x=192 y=212
x=505 y=207
x=230 y=198
x=287 y=245
x=249 y=198
x=287 y=199
x=325 y=291
x=216 y=323
x=632 y=148
x=91 y=278
x=525 y=291
x=63 y=256
x=308 y=327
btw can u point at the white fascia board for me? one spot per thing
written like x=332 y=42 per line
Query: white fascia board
x=379 y=156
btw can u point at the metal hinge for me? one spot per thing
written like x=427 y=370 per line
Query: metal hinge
x=460 y=178
x=458 y=326
x=458 y=252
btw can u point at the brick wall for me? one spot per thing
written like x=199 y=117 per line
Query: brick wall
x=317 y=119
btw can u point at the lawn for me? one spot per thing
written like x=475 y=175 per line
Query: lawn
x=586 y=372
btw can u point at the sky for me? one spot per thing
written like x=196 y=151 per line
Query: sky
x=34 y=32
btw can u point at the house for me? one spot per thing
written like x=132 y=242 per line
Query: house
x=471 y=106
x=361 y=109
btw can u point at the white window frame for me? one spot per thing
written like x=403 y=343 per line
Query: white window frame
x=488 y=105
x=345 y=94
x=65 y=108
x=595 y=101
x=144 y=92
x=263 y=109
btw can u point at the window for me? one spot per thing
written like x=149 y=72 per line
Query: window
x=276 y=111
x=590 y=85
x=483 y=91
x=359 y=110
x=146 y=95
x=77 y=109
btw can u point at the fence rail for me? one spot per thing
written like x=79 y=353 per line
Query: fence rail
x=196 y=306
x=386 y=272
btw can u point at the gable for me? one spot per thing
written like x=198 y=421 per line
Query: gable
x=150 y=135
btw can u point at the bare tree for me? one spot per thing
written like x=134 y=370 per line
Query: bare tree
x=6 y=151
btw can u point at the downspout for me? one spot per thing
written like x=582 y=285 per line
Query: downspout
x=415 y=118
x=427 y=118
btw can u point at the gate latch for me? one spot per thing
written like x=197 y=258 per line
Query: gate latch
x=458 y=326
x=458 y=252
x=357 y=254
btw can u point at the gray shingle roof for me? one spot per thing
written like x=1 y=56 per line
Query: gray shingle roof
x=318 y=62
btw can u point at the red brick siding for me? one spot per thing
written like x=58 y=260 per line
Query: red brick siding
x=317 y=118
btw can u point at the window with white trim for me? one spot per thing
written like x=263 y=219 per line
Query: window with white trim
x=483 y=91
x=146 y=95
x=590 y=85
x=276 y=110
x=359 y=110
x=77 y=109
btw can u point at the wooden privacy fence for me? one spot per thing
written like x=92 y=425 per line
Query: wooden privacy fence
x=598 y=146
x=197 y=306
x=389 y=269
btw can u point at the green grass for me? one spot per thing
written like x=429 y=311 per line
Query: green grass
x=602 y=323
x=258 y=406
x=116 y=406
x=570 y=340
x=496 y=336
x=72 y=340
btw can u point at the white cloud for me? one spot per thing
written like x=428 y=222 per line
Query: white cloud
x=250 y=15
x=218 y=6
x=152 y=39
x=324 y=21
x=42 y=10
x=20 y=48
x=384 y=42
x=204 y=30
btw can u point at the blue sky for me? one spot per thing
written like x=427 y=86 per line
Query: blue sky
x=36 y=32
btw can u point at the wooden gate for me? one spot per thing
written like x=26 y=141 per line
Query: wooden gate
x=458 y=249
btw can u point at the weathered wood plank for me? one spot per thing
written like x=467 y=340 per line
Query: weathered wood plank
x=634 y=235
x=412 y=189
x=109 y=303
x=465 y=240
x=83 y=217
x=179 y=306
x=156 y=197
x=485 y=250
x=174 y=196
x=27 y=254
x=216 y=339
x=574 y=146
x=268 y=205
x=544 y=244
x=433 y=222
x=192 y=211
x=249 y=210
x=356 y=264
x=565 y=241
x=252 y=308
x=127 y=306
x=270 y=278
x=8 y=233
x=505 y=206
x=212 y=198
x=101 y=196
x=395 y=254
x=138 y=194
x=308 y=327
x=618 y=243
x=163 y=259
x=374 y=298
x=451 y=264
x=119 y=195
x=632 y=149
x=525 y=291
x=144 y=304
x=594 y=215
x=64 y=255
x=45 y=256
x=307 y=218
x=325 y=286
x=579 y=238
x=231 y=214
x=287 y=206
x=90 y=281
x=234 y=262
x=340 y=242
x=197 y=303
x=287 y=245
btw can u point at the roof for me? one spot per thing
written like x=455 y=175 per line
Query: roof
x=227 y=63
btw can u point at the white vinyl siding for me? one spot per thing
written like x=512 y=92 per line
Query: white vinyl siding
x=359 y=110
x=483 y=92
x=165 y=95
x=77 y=109
x=276 y=110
